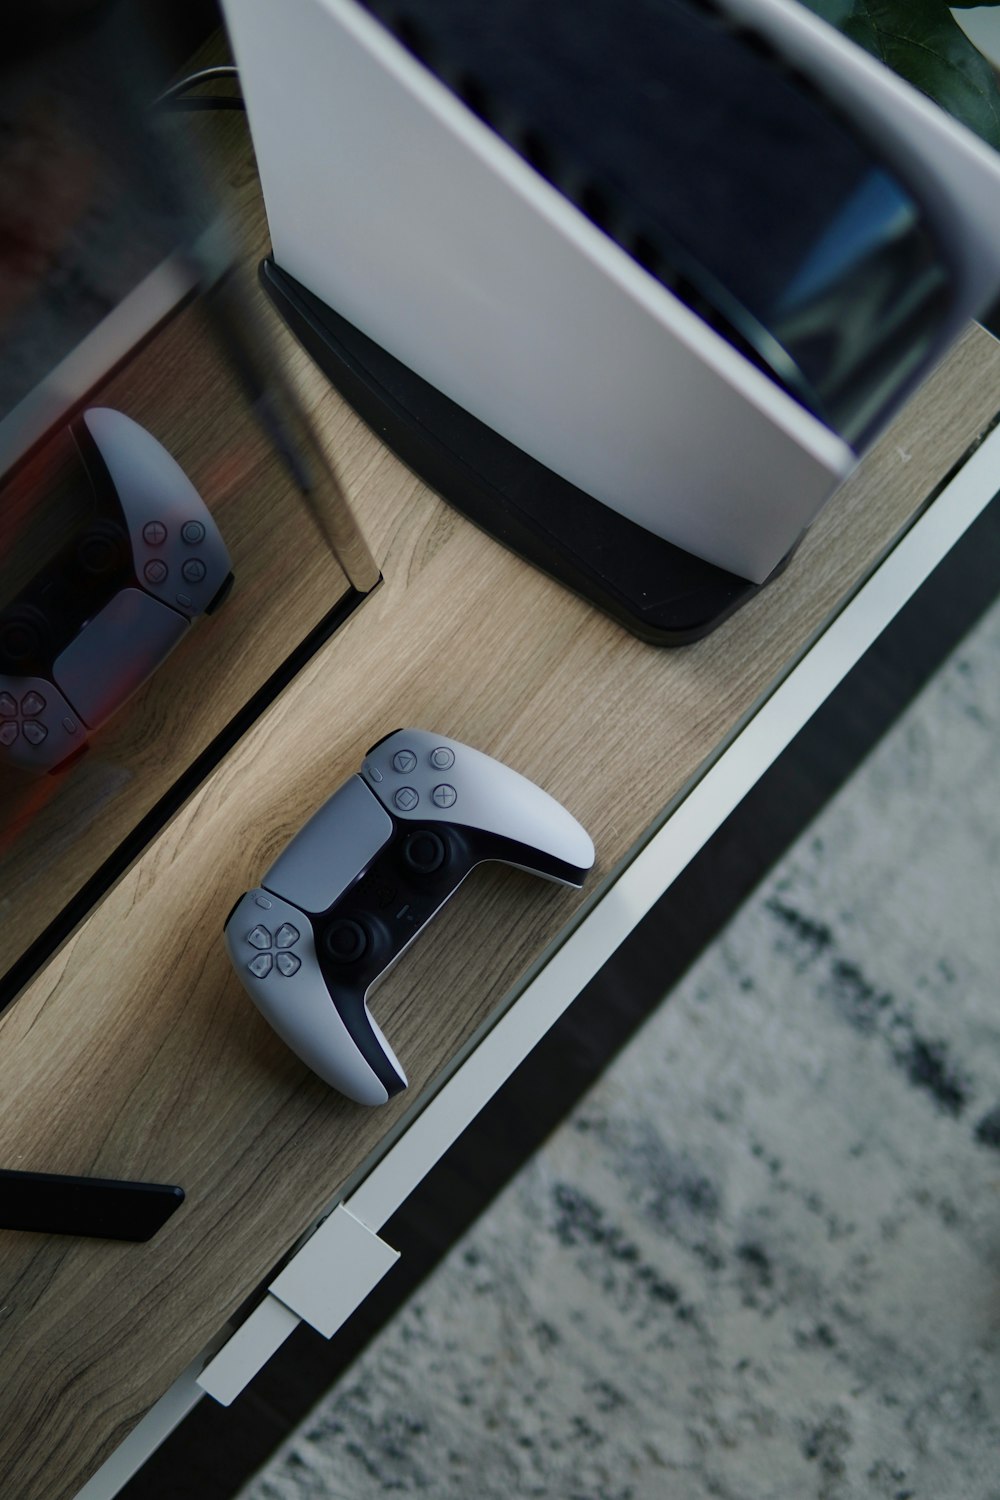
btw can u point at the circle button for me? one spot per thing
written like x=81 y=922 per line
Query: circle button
x=193 y=570
x=193 y=532
x=444 y=795
x=406 y=798
x=156 y=571
x=442 y=759
x=155 y=533
x=403 y=761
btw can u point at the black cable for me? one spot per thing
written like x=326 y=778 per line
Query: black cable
x=171 y=97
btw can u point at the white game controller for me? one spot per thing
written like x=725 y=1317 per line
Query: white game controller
x=364 y=877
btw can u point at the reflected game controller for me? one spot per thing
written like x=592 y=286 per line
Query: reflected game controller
x=89 y=628
x=364 y=877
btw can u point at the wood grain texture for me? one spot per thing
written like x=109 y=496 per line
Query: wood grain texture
x=136 y=1052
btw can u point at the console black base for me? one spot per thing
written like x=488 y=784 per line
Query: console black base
x=659 y=592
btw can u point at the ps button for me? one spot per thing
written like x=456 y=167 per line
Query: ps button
x=442 y=759
x=260 y=965
x=8 y=707
x=444 y=795
x=287 y=964
x=34 y=732
x=193 y=532
x=260 y=937
x=406 y=799
x=286 y=935
x=32 y=704
x=8 y=733
x=193 y=570
x=263 y=901
x=403 y=761
x=156 y=571
x=155 y=533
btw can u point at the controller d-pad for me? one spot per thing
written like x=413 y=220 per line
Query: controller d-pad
x=8 y=706
x=34 y=732
x=346 y=941
x=424 y=851
x=287 y=964
x=286 y=935
x=259 y=938
x=8 y=733
x=261 y=965
x=32 y=704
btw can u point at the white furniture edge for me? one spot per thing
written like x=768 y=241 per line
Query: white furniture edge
x=613 y=914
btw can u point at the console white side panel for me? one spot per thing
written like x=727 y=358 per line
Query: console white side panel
x=401 y=210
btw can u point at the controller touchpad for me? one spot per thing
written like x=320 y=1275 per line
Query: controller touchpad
x=115 y=653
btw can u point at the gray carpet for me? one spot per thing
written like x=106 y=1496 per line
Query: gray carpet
x=761 y=1260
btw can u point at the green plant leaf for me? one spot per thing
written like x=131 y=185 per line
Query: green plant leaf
x=922 y=42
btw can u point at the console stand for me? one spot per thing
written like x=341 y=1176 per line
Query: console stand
x=659 y=592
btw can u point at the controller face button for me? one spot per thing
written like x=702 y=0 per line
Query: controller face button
x=406 y=798
x=346 y=941
x=8 y=708
x=287 y=964
x=193 y=532
x=442 y=759
x=286 y=935
x=403 y=761
x=193 y=570
x=8 y=733
x=260 y=965
x=259 y=938
x=444 y=795
x=32 y=704
x=34 y=732
x=156 y=571
x=424 y=851
x=155 y=533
